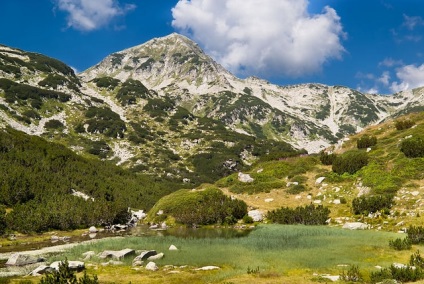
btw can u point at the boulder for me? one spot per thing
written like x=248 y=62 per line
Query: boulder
x=42 y=269
x=145 y=255
x=156 y=257
x=72 y=264
x=206 y=268
x=355 y=226
x=92 y=230
x=269 y=200
x=152 y=266
x=22 y=259
x=137 y=263
x=319 y=180
x=116 y=254
x=256 y=215
x=172 y=247
x=246 y=178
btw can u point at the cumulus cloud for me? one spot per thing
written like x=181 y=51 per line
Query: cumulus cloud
x=410 y=22
x=390 y=62
x=275 y=38
x=410 y=76
x=89 y=15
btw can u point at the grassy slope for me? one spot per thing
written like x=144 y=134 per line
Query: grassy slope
x=388 y=170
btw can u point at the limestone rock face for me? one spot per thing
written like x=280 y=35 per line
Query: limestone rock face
x=355 y=226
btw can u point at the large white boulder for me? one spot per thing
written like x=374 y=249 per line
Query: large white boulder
x=152 y=266
x=172 y=247
x=256 y=215
x=319 y=180
x=246 y=178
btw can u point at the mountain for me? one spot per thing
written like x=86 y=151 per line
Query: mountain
x=168 y=109
x=309 y=116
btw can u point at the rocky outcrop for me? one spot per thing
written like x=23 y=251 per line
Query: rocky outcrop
x=116 y=254
x=22 y=260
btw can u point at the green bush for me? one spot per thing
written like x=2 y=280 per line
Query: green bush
x=416 y=260
x=413 y=147
x=308 y=215
x=372 y=204
x=350 y=162
x=106 y=82
x=366 y=141
x=327 y=159
x=403 y=124
x=53 y=124
x=416 y=234
x=66 y=276
x=400 y=244
x=352 y=275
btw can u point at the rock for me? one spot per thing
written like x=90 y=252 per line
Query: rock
x=22 y=259
x=116 y=254
x=260 y=171
x=40 y=270
x=415 y=193
x=145 y=255
x=206 y=268
x=317 y=201
x=137 y=263
x=336 y=201
x=72 y=264
x=355 y=226
x=152 y=266
x=160 y=212
x=246 y=178
x=92 y=230
x=269 y=200
x=114 y=262
x=156 y=257
x=319 y=180
x=368 y=150
x=298 y=197
x=172 y=247
x=89 y=254
x=256 y=215
x=92 y=235
x=333 y=278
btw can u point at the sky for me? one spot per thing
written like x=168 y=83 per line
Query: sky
x=374 y=46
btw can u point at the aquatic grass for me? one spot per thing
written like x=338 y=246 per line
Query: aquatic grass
x=278 y=249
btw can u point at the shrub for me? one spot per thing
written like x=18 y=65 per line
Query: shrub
x=352 y=275
x=308 y=215
x=372 y=204
x=404 y=124
x=416 y=260
x=366 y=141
x=402 y=274
x=327 y=159
x=350 y=162
x=106 y=82
x=65 y=275
x=53 y=124
x=400 y=244
x=415 y=234
x=413 y=147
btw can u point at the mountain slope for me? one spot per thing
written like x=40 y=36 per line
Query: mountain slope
x=310 y=116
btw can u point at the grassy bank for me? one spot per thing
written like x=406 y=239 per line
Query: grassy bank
x=288 y=253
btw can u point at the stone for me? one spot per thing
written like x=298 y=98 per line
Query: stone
x=72 y=264
x=89 y=254
x=92 y=235
x=145 y=254
x=246 y=178
x=18 y=259
x=319 y=180
x=415 y=193
x=40 y=270
x=333 y=278
x=92 y=230
x=317 y=201
x=116 y=254
x=172 y=247
x=206 y=268
x=256 y=215
x=336 y=201
x=269 y=200
x=156 y=257
x=152 y=266
x=137 y=263
x=355 y=226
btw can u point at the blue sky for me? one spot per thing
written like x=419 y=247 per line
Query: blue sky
x=374 y=46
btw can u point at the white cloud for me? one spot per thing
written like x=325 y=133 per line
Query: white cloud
x=390 y=62
x=384 y=79
x=272 y=38
x=412 y=22
x=88 y=15
x=410 y=76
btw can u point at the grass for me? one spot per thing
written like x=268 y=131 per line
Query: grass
x=280 y=252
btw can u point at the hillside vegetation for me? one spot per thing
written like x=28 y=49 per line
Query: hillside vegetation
x=38 y=179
